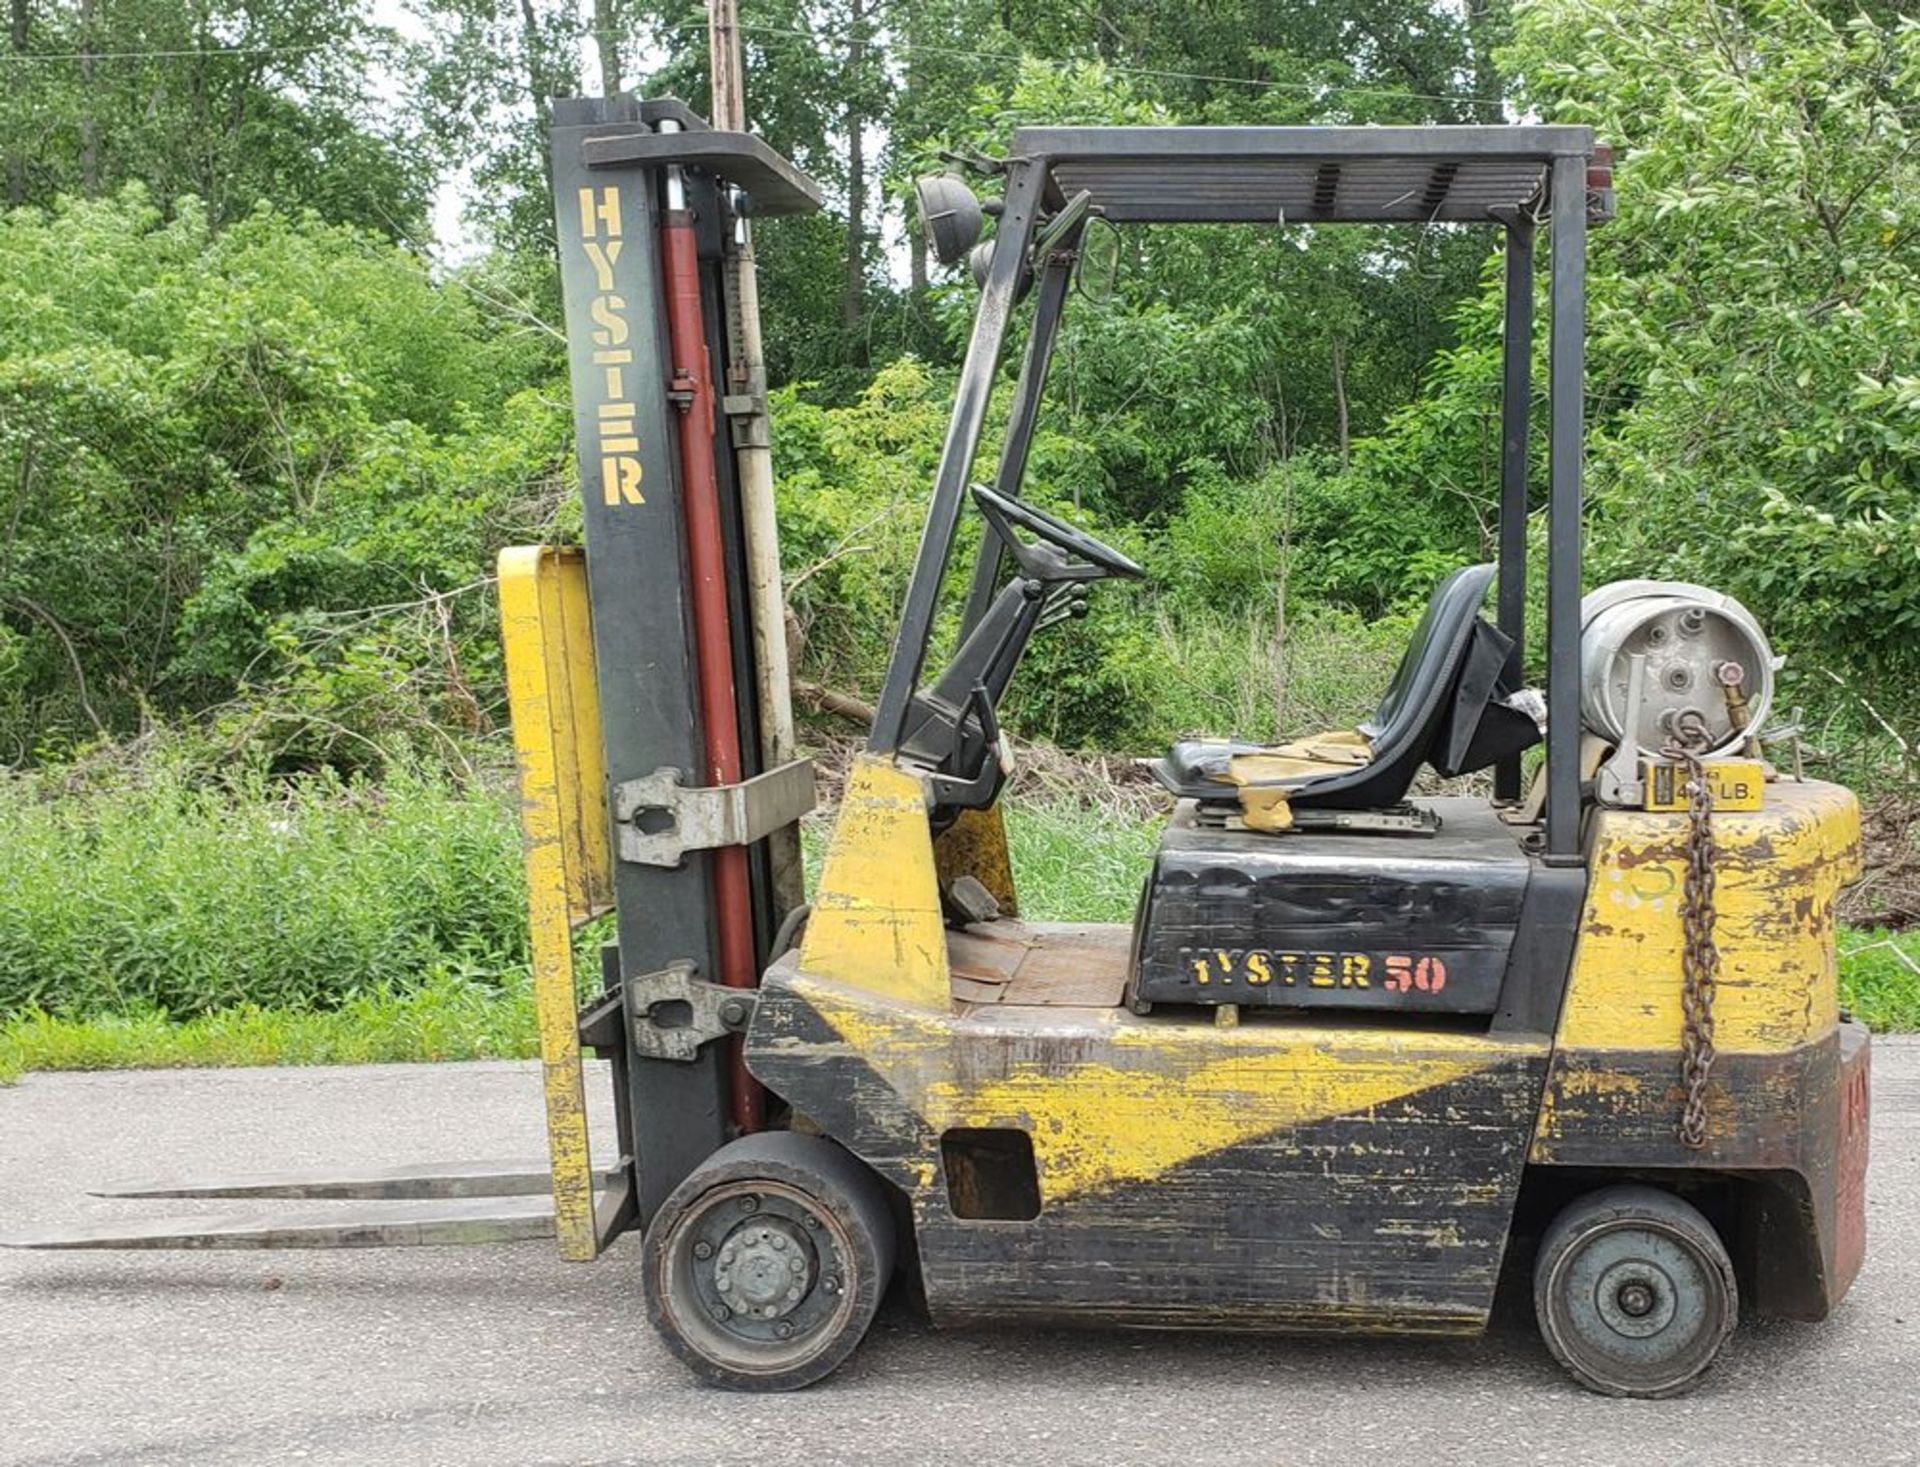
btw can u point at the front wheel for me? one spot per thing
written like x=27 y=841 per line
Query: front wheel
x=766 y=1265
x=1634 y=1292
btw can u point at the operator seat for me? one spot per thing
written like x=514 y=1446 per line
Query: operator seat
x=1448 y=706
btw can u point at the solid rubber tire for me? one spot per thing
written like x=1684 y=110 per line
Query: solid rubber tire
x=837 y=1185
x=1620 y=1210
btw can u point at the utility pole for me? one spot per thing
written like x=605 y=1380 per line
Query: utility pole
x=746 y=412
x=729 y=83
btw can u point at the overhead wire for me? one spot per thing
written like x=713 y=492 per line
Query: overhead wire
x=1161 y=74
x=824 y=36
x=895 y=47
x=23 y=57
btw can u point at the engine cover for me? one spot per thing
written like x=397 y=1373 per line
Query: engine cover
x=1334 y=920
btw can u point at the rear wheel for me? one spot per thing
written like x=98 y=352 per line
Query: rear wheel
x=1634 y=1292
x=766 y=1265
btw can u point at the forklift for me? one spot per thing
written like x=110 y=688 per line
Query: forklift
x=1363 y=1032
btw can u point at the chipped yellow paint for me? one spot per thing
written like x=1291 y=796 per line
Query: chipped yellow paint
x=1586 y=1096
x=1110 y=1098
x=876 y=923
x=976 y=845
x=1581 y=1085
x=547 y=637
x=1779 y=871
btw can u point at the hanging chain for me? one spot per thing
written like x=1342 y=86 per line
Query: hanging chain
x=1700 y=957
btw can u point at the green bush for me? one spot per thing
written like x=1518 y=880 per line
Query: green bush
x=160 y=893
x=235 y=459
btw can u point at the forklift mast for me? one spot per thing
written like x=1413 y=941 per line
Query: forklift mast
x=684 y=742
x=652 y=728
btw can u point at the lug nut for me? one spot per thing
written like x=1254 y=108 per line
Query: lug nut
x=784 y=1329
x=797 y=1264
x=749 y=1203
x=721 y=1314
x=779 y=1243
x=831 y=1283
x=703 y=1249
x=813 y=1222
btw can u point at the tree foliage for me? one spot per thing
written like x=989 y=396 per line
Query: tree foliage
x=1752 y=351
x=210 y=442
x=256 y=452
x=234 y=102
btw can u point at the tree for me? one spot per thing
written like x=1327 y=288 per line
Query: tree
x=1754 y=338
x=490 y=78
x=233 y=101
x=208 y=441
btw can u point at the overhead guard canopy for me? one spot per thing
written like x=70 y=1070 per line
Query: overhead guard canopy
x=1306 y=175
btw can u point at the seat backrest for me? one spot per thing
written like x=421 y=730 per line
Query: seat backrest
x=1416 y=703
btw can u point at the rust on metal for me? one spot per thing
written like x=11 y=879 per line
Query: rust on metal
x=377 y=1225
x=712 y=633
x=1038 y=964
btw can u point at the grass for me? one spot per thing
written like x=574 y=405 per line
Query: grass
x=1880 y=978
x=162 y=892
x=1074 y=862
x=448 y=1017
x=1079 y=864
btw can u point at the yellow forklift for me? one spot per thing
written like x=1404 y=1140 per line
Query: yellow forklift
x=1358 y=1037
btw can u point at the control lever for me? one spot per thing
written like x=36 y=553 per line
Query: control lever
x=1063 y=601
x=1619 y=782
x=977 y=792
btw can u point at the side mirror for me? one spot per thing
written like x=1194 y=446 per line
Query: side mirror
x=1097 y=273
x=950 y=216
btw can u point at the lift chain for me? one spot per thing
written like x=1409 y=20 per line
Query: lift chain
x=1700 y=957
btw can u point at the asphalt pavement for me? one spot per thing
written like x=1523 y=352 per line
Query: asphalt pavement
x=503 y=1354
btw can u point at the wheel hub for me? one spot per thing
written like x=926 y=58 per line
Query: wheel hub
x=1635 y=1298
x=764 y=1267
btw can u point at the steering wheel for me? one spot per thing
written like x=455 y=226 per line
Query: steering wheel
x=1055 y=531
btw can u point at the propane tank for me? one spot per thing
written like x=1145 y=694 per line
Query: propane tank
x=1694 y=649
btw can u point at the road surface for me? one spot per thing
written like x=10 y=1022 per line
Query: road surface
x=505 y=1355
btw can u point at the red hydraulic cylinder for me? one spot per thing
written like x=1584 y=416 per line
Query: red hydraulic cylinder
x=692 y=385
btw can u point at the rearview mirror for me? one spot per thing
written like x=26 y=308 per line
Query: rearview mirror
x=1096 y=274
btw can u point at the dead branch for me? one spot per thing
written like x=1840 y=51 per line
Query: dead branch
x=39 y=612
x=842 y=705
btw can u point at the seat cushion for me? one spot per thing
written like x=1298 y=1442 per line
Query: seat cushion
x=1216 y=769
